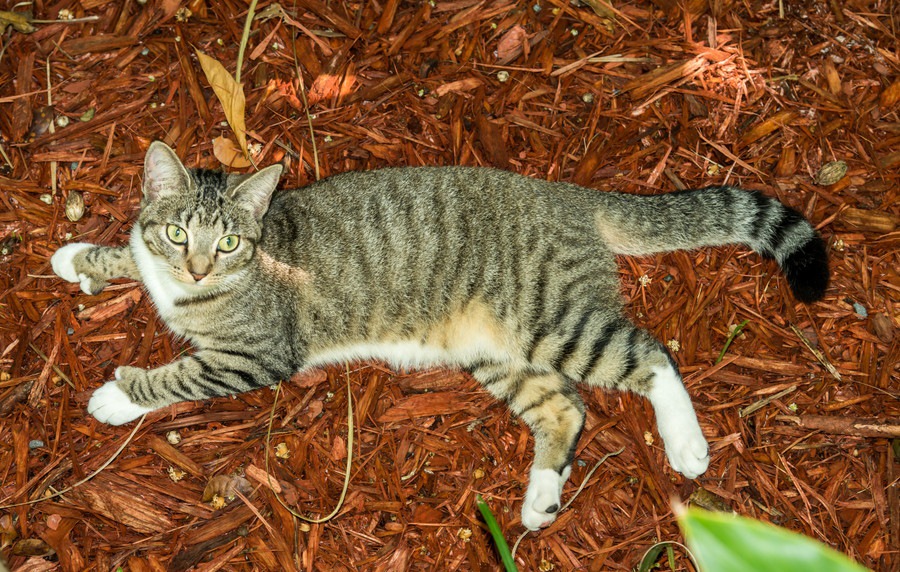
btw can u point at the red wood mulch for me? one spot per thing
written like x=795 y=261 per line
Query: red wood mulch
x=630 y=96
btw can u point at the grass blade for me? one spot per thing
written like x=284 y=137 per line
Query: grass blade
x=497 y=534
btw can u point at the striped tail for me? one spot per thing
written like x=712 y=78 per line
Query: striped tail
x=712 y=216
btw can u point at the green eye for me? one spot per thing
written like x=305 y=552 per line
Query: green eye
x=229 y=243
x=176 y=234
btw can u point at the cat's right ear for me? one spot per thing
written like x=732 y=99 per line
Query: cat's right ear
x=163 y=172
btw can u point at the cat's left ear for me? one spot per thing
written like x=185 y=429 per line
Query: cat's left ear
x=255 y=191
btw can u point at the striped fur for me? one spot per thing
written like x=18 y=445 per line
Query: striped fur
x=511 y=278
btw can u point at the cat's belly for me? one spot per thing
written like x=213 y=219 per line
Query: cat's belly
x=404 y=354
x=469 y=335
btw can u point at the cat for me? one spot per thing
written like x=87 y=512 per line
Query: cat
x=510 y=278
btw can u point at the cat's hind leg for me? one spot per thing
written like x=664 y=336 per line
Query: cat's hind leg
x=93 y=266
x=553 y=410
x=628 y=358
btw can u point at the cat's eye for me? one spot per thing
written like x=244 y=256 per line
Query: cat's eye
x=229 y=243
x=176 y=234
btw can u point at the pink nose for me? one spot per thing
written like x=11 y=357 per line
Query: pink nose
x=198 y=277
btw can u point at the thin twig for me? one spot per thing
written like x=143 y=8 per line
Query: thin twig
x=87 y=478
x=58 y=371
x=72 y=21
x=819 y=356
x=53 y=165
x=350 y=429
x=584 y=482
x=312 y=133
x=244 y=37
x=763 y=402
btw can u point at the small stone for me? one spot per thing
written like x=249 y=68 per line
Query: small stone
x=536 y=8
x=502 y=76
x=145 y=51
x=47 y=198
x=588 y=97
x=173 y=437
x=478 y=474
x=860 y=310
x=35 y=444
x=831 y=173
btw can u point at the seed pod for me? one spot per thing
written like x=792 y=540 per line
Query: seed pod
x=831 y=173
x=74 y=206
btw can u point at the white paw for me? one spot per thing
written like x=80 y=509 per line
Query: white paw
x=686 y=446
x=542 y=499
x=109 y=404
x=688 y=452
x=61 y=261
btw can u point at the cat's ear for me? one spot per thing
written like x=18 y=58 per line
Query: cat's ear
x=163 y=172
x=254 y=192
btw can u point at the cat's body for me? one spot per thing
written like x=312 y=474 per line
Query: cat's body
x=513 y=279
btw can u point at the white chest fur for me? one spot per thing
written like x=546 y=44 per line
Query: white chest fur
x=161 y=285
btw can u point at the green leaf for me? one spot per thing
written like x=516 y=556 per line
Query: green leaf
x=651 y=556
x=725 y=543
x=497 y=534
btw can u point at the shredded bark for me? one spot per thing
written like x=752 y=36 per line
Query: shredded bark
x=636 y=97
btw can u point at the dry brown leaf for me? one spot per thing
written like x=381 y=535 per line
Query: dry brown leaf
x=228 y=153
x=602 y=9
x=31 y=547
x=326 y=86
x=20 y=21
x=890 y=96
x=511 y=42
x=224 y=486
x=230 y=94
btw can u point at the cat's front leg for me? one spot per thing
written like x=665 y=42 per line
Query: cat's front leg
x=93 y=266
x=110 y=404
x=205 y=374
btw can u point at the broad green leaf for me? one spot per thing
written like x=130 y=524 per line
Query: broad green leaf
x=726 y=543
x=230 y=94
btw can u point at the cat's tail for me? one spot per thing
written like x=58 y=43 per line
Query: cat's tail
x=640 y=224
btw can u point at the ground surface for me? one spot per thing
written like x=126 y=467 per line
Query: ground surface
x=644 y=98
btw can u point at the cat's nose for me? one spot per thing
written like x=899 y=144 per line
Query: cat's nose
x=198 y=277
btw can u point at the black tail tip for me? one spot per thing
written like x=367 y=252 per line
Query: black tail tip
x=806 y=270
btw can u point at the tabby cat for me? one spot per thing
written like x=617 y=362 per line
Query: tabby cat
x=510 y=278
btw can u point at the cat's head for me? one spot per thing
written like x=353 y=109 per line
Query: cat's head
x=201 y=226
